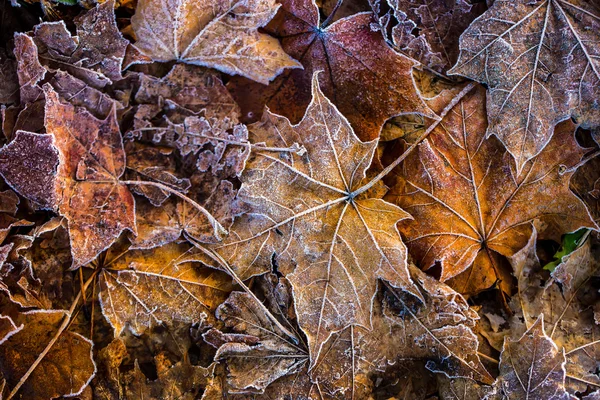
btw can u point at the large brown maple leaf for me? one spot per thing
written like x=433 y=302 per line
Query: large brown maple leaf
x=541 y=61
x=469 y=203
x=221 y=34
x=306 y=217
x=366 y=80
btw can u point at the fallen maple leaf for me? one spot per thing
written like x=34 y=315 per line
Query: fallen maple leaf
x=366 y=80
x=217 y=34
x=540 y=62
x=532 y=367
x=468 y=202
x=305 y=210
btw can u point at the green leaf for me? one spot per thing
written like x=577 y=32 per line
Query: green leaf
x=570 y=243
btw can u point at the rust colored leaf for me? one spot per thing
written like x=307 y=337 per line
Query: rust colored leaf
x=332 y=245
x=29 y=164
x=150 y=287
x=216 y=34
x=468 y=202
x=532 y=367
x=65 y=370
x=89 y=194
x=366 y=80
x=439 y=25
x=540 y=62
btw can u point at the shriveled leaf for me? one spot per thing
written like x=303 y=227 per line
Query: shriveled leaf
x=217 y=34
x=468 y=202
x=540 y=62
x=66 y=369
x=191 y=87
x=438 y=331
x=366 y=80
x=532 y=367
x=566 y=300
x=258 y=352
x=303 y=210
x=29 y=165
x=150 y=287
x=427 y=31
x=97 y=206
x=181 y=381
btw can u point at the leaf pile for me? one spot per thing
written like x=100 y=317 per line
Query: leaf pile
x=300 y=199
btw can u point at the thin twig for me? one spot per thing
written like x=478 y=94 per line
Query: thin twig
x=398 y=160
x=63 y=326
x=219 y=231
x=580 y=163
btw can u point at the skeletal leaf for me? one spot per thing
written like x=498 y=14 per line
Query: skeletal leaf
x=532 y=367
x=468 y=202
x=149 y=287
x=65 y=370
x=540 y=62
x=89 y=194
x=212 y=33
x=331 y=244
x=366 y=80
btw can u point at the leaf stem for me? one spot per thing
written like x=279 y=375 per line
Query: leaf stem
x=431 y=127
x=219 y=231
x=62 y=327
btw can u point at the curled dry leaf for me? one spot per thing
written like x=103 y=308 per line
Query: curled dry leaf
x=130 y=294
x=468 y=203
x=255 y=338
x=212 y=33
x=89 y=194
x=366 y=80
x=532 y=367
x=65 y=370
x=566 y=300
x=540 y=62
x=439 y=25
x=304 y=211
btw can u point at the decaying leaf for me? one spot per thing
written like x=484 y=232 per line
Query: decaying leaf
x=366 y=80
x=439 y=25
x=150 y=287
x=331 y=244
x=89 y=194
x=532 y=367
x=566 y=300
x=540 y=62
x=66 y=369
x=468 y=202
x=217 y=34
x=255 y=338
